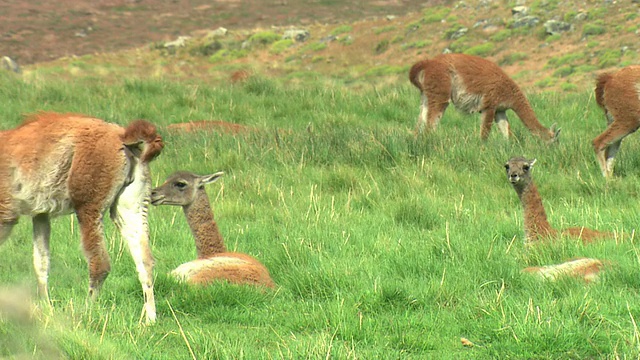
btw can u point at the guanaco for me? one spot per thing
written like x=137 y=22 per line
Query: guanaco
x=56 y=164
x=618 y=94
x=214 y=263
x=472 y=84
x=536 y=225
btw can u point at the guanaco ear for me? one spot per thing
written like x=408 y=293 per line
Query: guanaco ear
x=207 y=179
x=531 y=162
x=555 y=130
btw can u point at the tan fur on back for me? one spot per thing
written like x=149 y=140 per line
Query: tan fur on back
x=236 y=268
x=586 y=268
x=47 y=150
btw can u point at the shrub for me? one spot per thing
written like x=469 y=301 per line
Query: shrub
x=224 y=54
x=280 y=46
x=568 y=87
x=598 y=12
x=342 y=30
x=584 y=69
x=435 y=14
x=384 y=29
x=592 y=44
x=512 y=58
x=480 y=50
x=565 y=60
x=397 y=39
x=346 y=40
x=382 y=46
x=554 y=37
x=385 y=70
x=609 y=58
x=570 y=16
x=563 y=71
x=264 y=38
x=413 y=26
x=416 y=45
x=546 y=82
x=593 y=29
x=316 y=46
x=206 y=48
x=448 y=34
x=501 y=35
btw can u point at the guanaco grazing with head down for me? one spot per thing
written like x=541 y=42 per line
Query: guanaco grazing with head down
x=472 y=84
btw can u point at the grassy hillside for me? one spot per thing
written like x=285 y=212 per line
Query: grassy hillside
x=383 y=245
x=378 y=50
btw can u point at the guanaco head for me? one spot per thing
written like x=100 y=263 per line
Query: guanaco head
x=181 y=188
x=519 y=171
x=554 y=132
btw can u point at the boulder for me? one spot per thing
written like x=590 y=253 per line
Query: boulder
x=525 y=21
x=299 y=35
x=9 y=64
x=554 y=27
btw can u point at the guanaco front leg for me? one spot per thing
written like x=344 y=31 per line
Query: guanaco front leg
x=503 y=123
x=41 y=235
x=130 y=216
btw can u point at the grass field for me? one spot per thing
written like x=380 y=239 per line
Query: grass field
x=383 y=245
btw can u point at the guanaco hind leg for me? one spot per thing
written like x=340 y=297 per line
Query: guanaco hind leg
x=607 y=144
x=95 y=250
x=41 y=257
x=431 y=111
x=488 y=116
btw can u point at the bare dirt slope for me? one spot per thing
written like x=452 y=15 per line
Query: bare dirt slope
x=36 y=31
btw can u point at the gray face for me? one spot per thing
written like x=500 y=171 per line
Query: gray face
x=519 y=171
x=181 y=188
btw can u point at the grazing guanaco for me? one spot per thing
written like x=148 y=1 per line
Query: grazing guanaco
x=214 y=263
x=472 y=84
x=618 y=94
x=56 y=164
x=536 y=225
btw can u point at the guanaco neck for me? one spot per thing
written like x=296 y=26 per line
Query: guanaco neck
x=536 y=225
x=203 y=226
x=525 y=112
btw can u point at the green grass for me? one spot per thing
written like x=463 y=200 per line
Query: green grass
x=383 y=245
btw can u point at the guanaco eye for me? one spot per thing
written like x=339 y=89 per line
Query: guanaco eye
x=180 y=184
x=506 y=167
x=525 y=167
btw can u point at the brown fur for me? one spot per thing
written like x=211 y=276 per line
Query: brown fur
x=55 y=164
x=618 y=94
x=536 y=225
x=585 y=268
x=214 y=262
x=472 y=84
